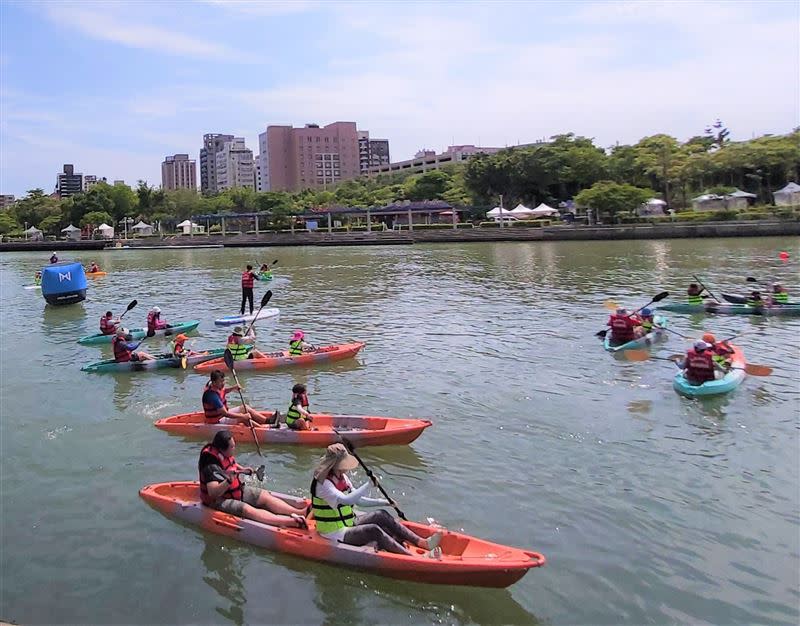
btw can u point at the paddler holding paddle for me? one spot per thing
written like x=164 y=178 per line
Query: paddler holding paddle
x=215 y=404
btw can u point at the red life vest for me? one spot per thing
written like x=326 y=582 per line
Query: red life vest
x=151 y=322
x=107 y=325
x=234 y=491
x=621 y=328
x=122 y=354
x=213 y=414
x=699 y=366
x=247 y=279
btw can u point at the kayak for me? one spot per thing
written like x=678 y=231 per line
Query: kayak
x=657 y=334
x=360 y=430
x=161 y=361
x=735 y=299
x=275 y=360
x=233 y=320
x=140 y=333
x=466 y=560
x=96 y=274
x=33 y=286
x=728 y=382
x=682 y=307
x=722 y=308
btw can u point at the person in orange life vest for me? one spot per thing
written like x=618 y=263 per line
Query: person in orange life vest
x=154 y=321
x=242 y=347
x=215 y=404
x=298 y=417
x=622 y=326
x=721 y=350
x=332 y=501
x=222 y=489
x=698 y=366
x=108 y=325
x=124 y=351
x=248 y=276
x=94 y=268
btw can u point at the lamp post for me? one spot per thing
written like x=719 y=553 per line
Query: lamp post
x=26 y=231
x=125 y=223
x=501 y=210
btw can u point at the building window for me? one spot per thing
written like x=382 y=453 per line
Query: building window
x=317 y=139
x=309 y=139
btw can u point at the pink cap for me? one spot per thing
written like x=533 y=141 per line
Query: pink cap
x=298 y=334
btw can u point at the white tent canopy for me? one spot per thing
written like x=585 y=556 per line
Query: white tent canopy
x=70 y=229
x=788 y=196
x=521 y=211
x=543 y=209
x=190 y=227
x=142 y=226
x=495 y=212
x=654 y=202
x=32 y=231
x=741 y=194
x=185 y=224
x=106 y=230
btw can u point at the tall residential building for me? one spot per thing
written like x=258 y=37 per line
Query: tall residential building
x=68 y=183
x=212 y=143
x=234 y=165
x=6 y=201
x=296 y=158
x=371 y=152
x=178 y=171
x=90 y=181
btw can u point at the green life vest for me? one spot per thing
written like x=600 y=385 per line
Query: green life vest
x=239 y=350
x=296 y=348
x=757 y=303
x=328 y=519
x=782 y=297
x=647 y=325
x=267 y=275
x=694 y=299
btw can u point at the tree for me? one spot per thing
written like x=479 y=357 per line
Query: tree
x=428 y=186
x=125 y=201
x=7 y=223
x=35 y=207
x=656 y=156
x=95 y=218
x=717 y=134
x=611 y=198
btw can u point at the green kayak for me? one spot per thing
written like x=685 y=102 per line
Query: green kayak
x=161 y=361
x=722 y=308
x=140 y=333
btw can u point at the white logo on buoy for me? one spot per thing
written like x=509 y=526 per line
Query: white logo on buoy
x=63 y=277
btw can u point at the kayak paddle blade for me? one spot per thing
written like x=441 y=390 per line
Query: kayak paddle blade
x=132 y=304
x=610 y=305
x=636 y=355
x=266 y=298
x=183 y=361
x=228 y=358
x=601 y=333
x=661 y=296
x=757 y=370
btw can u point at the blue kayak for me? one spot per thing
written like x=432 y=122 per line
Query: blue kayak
x=239 y=320
x=730 y=381
x=657 y=334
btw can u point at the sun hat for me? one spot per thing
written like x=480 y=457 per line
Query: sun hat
x=238 y=331
x=156 y=309
x=181 y=337
x=336 y=457
x=297 y=335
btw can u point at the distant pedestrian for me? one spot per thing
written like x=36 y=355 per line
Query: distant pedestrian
x=248 y=276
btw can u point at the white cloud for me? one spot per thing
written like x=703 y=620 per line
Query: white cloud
x=264 y=8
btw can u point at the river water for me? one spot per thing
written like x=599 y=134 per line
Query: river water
x=650 y=507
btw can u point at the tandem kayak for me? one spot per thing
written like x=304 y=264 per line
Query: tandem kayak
x=465 y=560
x=657 y=334
x=140 y=333
x=275 y=360
x=728 y=382
x=161 y=361
x=722 y=308
x=233 y=320
x=360 y=430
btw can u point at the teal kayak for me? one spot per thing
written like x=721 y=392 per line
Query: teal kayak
x=657 y=334
x=161 y=361
x=730 y=381
x=722 y=308
x=140 y=333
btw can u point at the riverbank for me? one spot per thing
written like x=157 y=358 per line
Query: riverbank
x=761 y=228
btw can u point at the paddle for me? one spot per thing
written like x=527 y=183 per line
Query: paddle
x=644 y=355
x=228 y=357
x=132 y=304
x=372 y=476
x=264 y=301
x=706 y=288
x=657 y=298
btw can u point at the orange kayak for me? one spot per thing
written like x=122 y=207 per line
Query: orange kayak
x=282 y=359
x=360 y=430
x=96 y=274
x=466 y=560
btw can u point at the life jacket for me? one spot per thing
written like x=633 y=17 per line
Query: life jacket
x=122 y=354
x=247 y=279
x=647 y=324
x=107 y=326
x=178 y=349
x=234 y=491
x=694 y=297
x=296 y=348
x=238 y=350
x=265 y=275
x=699 y=366
x=292 y=415
x=781 y=297
x=151 y=323
x=755 y=302
x=722 y=354
x=621 y=328
x=211 y=413
x=328 y=519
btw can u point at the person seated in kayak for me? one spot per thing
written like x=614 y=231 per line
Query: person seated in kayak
x=646 y=321
x=622 y=326
x=154 y=321
x=215 y=404
x=223 y=490
x=242 y=347
x=179 y=349
x=264 y=273
x=333 y=498
x=297 y=346
x=698 y=366
x=779 y=294
x=694 y=294
x=37 y=278
x=720 y=350
x=53 y=258
x=124 y=351
x=94 y=268
x=108 y=325
x=755 y=299
x=298 y=417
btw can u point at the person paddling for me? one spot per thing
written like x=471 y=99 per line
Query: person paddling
x=94 y=268
x=154 y=321
x=124 y=351
x=779 y=294
x=179 y=348
x=297 y=345
x=53 y=258
x=215 y=404
x=298 y=417
x=264 y=272
x=622 y=326
x=694 y=294
x=698 y=366
x=645 y=318
x=248 y=276
x=242 y=347
x=108 y=325
x=223 y=490
x=332 y=501
x=755 y=299
x=37 y=278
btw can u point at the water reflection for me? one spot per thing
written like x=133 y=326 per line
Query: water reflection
x=224 y=575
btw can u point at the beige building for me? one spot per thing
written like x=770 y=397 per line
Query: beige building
x=6 y=201
x=212 y=143
x=234 y=165
x=179 y=172
x=426 y=160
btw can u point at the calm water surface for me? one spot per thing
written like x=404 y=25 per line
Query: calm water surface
x=651 y=508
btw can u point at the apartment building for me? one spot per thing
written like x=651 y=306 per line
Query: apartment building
x=212 y=143
x=178 y=171
x=234 y=166
x=6 y=200
x=371 y=152
x=68 y=183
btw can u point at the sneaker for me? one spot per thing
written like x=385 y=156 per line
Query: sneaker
x=434 y=540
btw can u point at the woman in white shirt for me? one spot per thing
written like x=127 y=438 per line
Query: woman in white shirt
x=332 y=501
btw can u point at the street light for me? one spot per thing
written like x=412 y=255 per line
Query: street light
x=26 y=231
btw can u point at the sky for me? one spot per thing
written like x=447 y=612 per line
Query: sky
x=114 y=87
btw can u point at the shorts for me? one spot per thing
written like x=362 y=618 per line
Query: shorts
x=134 y=356
x=250 y=496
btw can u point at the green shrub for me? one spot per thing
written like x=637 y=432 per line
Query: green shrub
x=215 y=229
x=530 y=223
x=489 y=225
x=754 y=215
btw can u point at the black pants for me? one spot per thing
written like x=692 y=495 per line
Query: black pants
x=247 y=294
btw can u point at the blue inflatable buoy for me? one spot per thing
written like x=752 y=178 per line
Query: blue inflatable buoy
x=63 y=283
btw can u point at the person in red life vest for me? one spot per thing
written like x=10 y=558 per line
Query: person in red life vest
x=332 y=501
x=124 y=351
x=622 y=326
x=93 y=268
x=179 y=348
x=298 y=417
x=721 y=351
x=154 y=321
x=242 y=347
x=108 y=325
x=53 y=258
x=222 y=489
x=215 y=404
x=248 y=276
x=698 y=366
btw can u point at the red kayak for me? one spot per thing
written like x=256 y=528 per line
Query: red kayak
x=465 y=560
x=359 y=430
x=275 y=360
